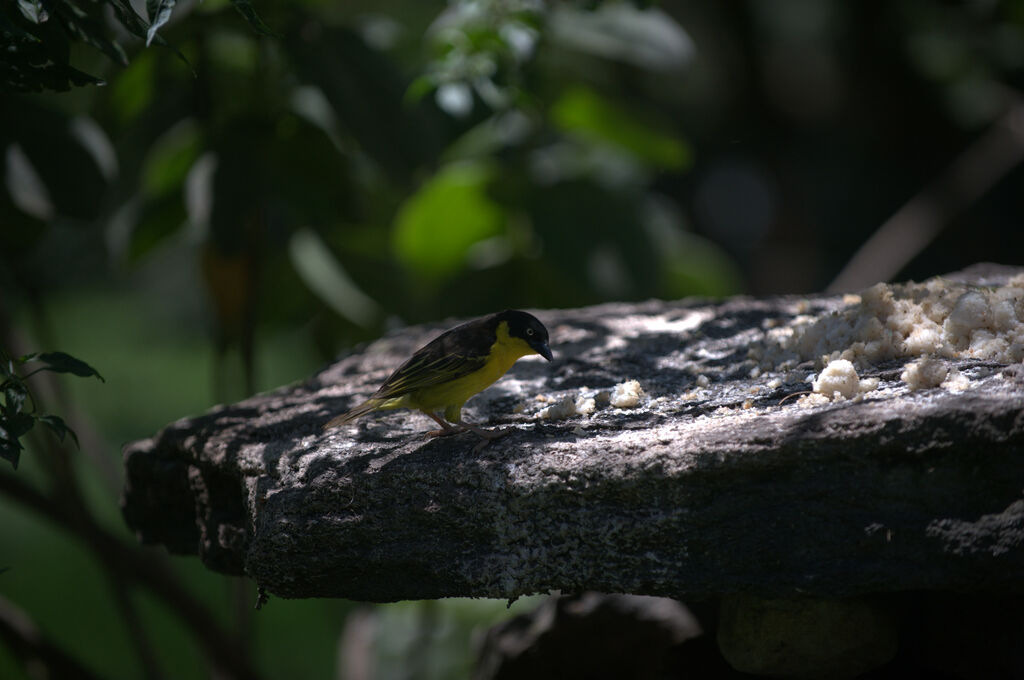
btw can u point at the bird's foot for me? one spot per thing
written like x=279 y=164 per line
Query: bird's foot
x=486 y=436
x=443 y=433
x=445 y=430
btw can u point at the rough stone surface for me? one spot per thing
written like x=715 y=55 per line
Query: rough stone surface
x=699 y=490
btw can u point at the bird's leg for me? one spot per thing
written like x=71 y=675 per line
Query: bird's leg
x=445 y=430
x=486 y=436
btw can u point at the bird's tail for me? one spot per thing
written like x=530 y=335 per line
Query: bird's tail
x=359 y=411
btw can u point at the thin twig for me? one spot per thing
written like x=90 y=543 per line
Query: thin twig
x=136 y=631
x=33 y=649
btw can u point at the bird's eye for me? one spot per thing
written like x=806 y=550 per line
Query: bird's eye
x=529 y=331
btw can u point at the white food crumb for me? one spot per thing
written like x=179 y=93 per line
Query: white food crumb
x=840 y=379
x=627 y=394
x=924 y=373
x=563 y=408
x=931 y=372
x=568 y=406
x=956 y=381
x=585 y=405
x=703 y=380
x=970 y=313
x=812 y=400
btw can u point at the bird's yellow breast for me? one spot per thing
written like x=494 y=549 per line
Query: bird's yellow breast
x=505 y=351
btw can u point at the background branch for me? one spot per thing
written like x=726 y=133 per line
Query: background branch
x=903 y=236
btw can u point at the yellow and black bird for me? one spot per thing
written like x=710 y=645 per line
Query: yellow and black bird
x=443 y=374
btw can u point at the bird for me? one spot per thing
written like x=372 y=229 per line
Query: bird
x=443 y=374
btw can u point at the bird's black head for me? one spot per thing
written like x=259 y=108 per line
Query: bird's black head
x=529 y=329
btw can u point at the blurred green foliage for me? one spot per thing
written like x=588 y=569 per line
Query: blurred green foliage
x=276 y=198
x=434 y=253
x=333 y=136
x=269 y=183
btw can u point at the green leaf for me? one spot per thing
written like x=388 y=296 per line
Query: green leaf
x=15 y=394
x=39 y=34
x=61 y=174
x=60 y=362
x=325 y=276
x=58 y=427
x=437 y=226
x=419 y=88
x=130 y=19
x=159 y=13
x=246 y=9
x=585 y=114
x=13 y=428
x=32 y=64
x=33 y=10
x=10 y=449
x=158 y=219
x=88 y=27
x=490 y=137
x=647 y=38
x=132 y=91
x=170 y=158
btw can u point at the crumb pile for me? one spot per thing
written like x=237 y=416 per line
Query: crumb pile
x=936 y=318
x=930 y=323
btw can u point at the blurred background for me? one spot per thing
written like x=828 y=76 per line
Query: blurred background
x=267 y=185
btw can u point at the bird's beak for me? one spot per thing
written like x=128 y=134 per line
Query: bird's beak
x=542 y=349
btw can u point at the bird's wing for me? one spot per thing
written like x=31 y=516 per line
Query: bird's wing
x=424 y=371
x=434 y=364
